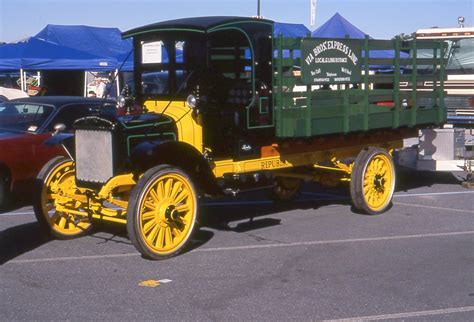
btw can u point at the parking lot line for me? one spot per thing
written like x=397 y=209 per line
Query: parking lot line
x=259 y=246
x=407 y=314
x=17 y=213
x=433 y=194
x=434 y=207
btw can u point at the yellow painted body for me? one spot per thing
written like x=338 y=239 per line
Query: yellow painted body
x=189 y=126
x=297 y=159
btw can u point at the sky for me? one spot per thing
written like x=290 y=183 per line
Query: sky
x=383 y=19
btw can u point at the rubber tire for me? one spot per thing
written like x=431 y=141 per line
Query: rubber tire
x=5 y=193
x=133 y=215
x=37 y=202
x=357 y=177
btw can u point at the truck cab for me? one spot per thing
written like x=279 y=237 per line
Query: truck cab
x=222 y=66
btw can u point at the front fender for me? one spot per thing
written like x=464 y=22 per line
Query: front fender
x=182 y=155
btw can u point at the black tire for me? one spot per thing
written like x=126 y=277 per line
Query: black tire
x=5 y=193
x=167 y=229
x=42 y=199
x=375 y=169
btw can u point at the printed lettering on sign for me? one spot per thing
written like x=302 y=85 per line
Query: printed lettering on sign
x=327 y=61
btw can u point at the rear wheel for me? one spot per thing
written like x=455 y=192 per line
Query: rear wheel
x=54 y=182
x=162 y=211
x=373 y=181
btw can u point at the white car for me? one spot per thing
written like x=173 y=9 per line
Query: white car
x=10 y=93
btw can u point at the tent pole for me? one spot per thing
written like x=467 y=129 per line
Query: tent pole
x=117 y=81
x=21 y=80
x=85 y=83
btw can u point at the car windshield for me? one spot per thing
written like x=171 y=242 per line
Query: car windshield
x=23 y=117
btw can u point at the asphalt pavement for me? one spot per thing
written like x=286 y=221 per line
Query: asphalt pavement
x=254 y=259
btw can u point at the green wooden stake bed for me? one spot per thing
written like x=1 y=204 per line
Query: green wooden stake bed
x=219 y=105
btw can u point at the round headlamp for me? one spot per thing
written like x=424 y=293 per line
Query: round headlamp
x=191 y=101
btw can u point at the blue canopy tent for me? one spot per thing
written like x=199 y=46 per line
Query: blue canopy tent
x=40 y=55
x=290 y=30
x=37 y=54
x=101 y=42
x=338 y=27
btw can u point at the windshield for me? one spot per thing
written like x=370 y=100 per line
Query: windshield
x=168 y=65
x=23 y=117
x=462 y=55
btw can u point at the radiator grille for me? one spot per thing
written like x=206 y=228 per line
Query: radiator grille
x=94 y=156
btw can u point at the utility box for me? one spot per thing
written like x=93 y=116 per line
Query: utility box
x=441 y=144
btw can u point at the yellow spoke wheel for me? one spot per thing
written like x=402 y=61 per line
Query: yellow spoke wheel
x=162 y=212
x=53 y=183
x=373 y=181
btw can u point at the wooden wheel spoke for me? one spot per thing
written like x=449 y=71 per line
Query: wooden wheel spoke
x=151 y=237
x=184 y=208
x=148 y=215
x=181 y=196
x=160 y=191
x=148 y=226
x=62 y=222
x=154 y=196
x=175 y=229
x=160 y=240
x=168 y=236
x=167 y=188
x=176 y=188
x=149 y=205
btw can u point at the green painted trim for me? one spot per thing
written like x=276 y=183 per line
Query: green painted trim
x=148 y=135
x=164 y=29
x=253 y=66
x=146 y=125
x=224 y=26
x=260 y=105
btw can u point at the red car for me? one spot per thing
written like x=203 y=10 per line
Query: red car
x=25 y=124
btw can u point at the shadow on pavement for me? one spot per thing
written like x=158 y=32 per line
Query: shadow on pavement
x=239 y=214
x=18 y=240
x=410 y=179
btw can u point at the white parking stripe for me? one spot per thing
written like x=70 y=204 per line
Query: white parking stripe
x=259 y=246
x=433 y=193
x=407 y=314
x=433 y=207
x=17 y=213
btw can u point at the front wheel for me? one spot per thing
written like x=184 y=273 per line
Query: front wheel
x=373 y=181
x=161 y=214
x=55 y=184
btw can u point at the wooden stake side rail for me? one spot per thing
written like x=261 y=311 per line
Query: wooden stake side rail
x=375 y=102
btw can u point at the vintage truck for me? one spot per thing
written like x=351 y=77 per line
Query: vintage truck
x=227 y=106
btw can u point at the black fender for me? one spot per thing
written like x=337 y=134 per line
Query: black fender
x=182 y=155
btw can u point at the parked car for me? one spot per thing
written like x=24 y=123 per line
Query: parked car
x=25 y=124
x=10 y=93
